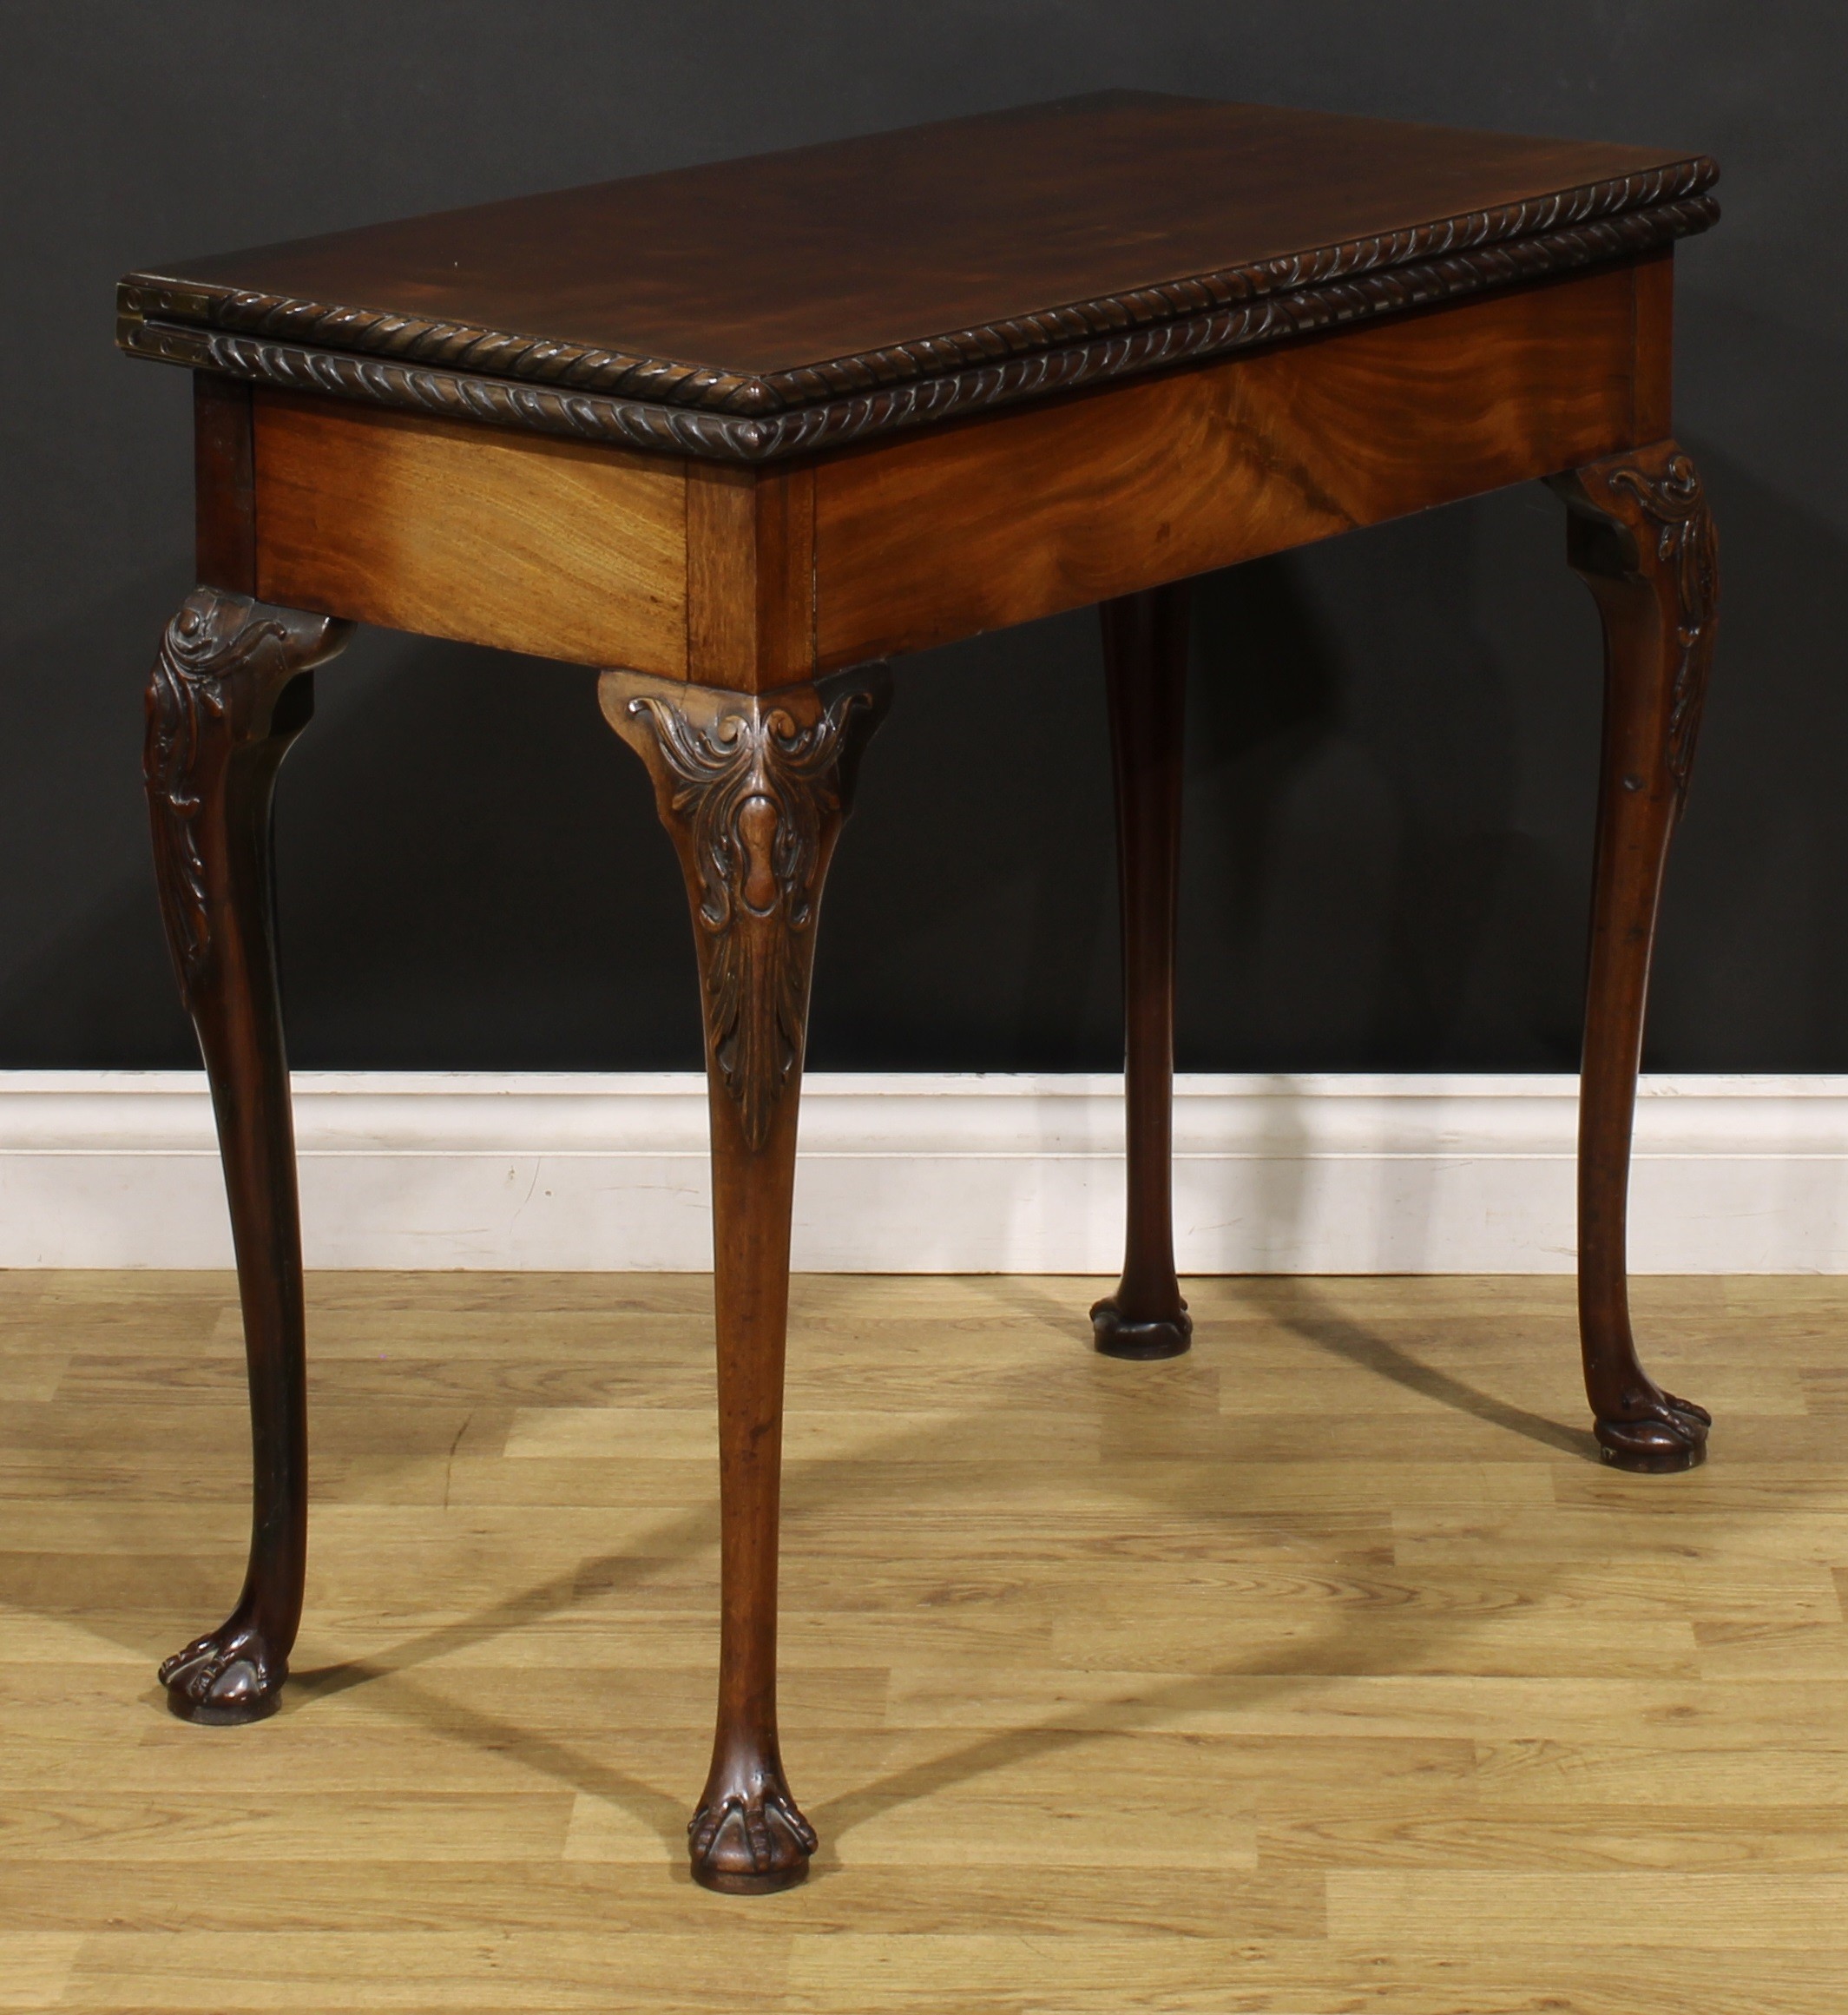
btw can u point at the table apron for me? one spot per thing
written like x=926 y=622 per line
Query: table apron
x=754 y=578
x=922 y=541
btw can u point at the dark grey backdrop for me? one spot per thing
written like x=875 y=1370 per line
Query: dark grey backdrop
x=1392 y=738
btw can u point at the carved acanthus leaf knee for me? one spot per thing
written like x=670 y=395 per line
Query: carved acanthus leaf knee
x=754 y=790
x=1640 y=521
x=225 y=661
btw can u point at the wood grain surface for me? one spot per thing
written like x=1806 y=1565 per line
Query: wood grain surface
x=446 y=529
x=750 y=576
x=1323 y=1665
x=923 y=540
x=792 y=277
x=224 y=485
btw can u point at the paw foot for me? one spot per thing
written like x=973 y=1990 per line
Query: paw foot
x=1672 y=1435
x=748 y=1842
x=1117 y=1335
x=224 y=1679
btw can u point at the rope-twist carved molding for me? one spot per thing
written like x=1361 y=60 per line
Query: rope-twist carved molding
x=852 y=397
x=478 y=350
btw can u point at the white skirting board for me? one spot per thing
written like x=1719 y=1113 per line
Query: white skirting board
x=1337 y=1174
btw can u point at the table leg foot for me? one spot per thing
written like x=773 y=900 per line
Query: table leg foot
x=749 y=1837
x=1671 y=1436
x=226 y=1678
x=1119 y=1335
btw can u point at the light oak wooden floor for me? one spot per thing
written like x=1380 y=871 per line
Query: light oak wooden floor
x=1320 y=1670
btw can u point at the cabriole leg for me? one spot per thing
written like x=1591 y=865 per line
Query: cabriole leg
x=1145 y=640
x=228 y=694
x=752 y=791
x=1641 y=537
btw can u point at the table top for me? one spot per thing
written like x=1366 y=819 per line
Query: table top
x=765 y=306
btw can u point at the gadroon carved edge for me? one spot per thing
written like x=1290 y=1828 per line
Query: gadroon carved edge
x=1360 y=289
x=478 y=351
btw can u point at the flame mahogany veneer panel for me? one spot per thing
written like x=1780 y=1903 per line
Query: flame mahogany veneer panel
x=926 y=539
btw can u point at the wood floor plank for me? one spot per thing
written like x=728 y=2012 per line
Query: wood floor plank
x=1771 y=1909
x=35 y=1966
x=1322 y=1669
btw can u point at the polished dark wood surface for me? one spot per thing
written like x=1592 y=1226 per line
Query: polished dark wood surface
x=782 y=262
x=1529 y=336
x=902 y=278
x=1145 y=645
x=1643 y=538
x=224 y=483
x=230 y=691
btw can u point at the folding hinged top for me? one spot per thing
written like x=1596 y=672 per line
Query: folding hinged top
x=764 y=306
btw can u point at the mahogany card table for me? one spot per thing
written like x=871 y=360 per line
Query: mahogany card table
x=735 y=435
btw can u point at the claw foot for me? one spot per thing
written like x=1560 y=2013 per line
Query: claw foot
x=1671 y=1435
x=749 y=1841
x=1117 y=1335
x=224 y=1679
